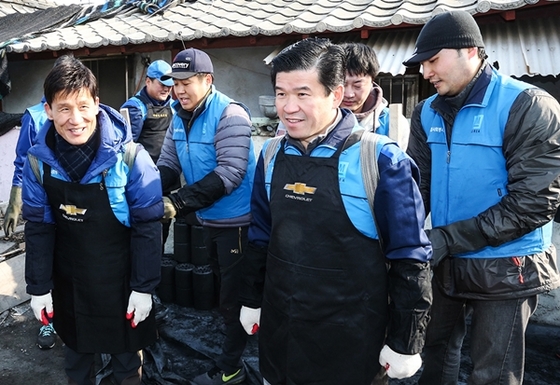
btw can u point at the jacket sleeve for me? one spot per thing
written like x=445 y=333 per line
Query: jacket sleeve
x=410 y=292
x=252 y=282
x=39 y=257
x=39 y=235
x=398 y=207
x=233 y=144
x=26 y=138
x=420 y=152
x=531 y=147
x=143 y=193
x=400 y=215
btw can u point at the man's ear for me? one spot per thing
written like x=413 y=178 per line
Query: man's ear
x=338 y=94
x=48 y=110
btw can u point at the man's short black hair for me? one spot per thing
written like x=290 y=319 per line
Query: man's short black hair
x=312 y=53
x=69 y=75
x=361 y=60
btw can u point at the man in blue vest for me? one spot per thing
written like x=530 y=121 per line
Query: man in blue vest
x=209 y=141
x=488 y=149
x=149 y=111
x=319 y=272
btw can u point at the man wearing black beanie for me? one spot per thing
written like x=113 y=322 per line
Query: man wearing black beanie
x=488 y=150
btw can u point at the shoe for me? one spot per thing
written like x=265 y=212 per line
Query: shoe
x=47 y=337
x=217 y=376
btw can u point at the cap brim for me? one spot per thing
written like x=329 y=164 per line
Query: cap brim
x=166 y=82
x=419 y=57
x=177 y=75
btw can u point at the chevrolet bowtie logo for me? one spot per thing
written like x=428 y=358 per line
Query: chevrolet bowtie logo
x=300 y=188
x=72 y=210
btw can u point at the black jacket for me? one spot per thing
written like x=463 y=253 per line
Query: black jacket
x=531 y=146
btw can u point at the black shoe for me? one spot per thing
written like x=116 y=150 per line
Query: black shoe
x=47 y=337
x=217 y=376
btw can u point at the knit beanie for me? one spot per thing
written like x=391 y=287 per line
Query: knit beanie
x=453 y=29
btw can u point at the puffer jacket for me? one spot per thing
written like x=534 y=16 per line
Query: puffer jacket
x=531 y=148
x=134 y=195
x=213 y=148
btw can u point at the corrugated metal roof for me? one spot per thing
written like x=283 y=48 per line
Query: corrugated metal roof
x=524 y=47
x=527 y=47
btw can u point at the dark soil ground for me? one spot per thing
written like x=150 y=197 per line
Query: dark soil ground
x=189 y=341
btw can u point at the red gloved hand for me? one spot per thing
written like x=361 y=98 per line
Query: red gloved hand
x=139 y=306
x=42 y=307
x=250 y=319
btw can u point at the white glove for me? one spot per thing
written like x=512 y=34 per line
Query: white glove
x=399 y=365
x=139 y=306
x=42 y=302
x=250 y=319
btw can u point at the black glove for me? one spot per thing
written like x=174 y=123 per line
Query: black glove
x=199 y=195
x=456 y=238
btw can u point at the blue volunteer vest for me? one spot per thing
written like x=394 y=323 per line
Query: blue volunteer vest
x=197 y=156
x=470 y=175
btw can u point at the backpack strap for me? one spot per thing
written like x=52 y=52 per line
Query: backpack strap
x=130 y=151
x=34 y=164
x=271 y=150
x=370 y=172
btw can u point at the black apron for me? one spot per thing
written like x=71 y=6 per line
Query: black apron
x=91 y=271
x=325 y=307
x=155 y=126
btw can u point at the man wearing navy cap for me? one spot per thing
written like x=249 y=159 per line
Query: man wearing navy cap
x=149 y=111
x=209 y=141
x=488 y=150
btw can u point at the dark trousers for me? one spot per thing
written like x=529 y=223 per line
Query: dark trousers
x=80 y=367
x=497 y=340
x=225 y=248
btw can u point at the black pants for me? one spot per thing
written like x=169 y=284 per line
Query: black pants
x=225 y=248
x=80 y=367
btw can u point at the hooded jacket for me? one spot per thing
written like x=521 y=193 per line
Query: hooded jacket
x=134 y=195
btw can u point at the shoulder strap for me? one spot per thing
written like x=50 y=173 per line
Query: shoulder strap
x=370 y=171
x=130 y=152
x=271 y=150
x=34 y=163
x=368 y=158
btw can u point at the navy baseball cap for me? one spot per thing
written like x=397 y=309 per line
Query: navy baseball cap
x=157 y=69
x=189 y=62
